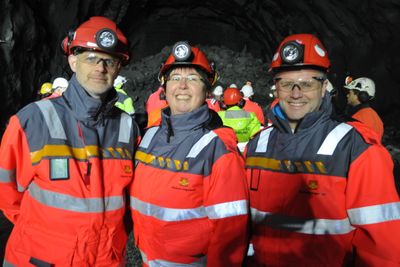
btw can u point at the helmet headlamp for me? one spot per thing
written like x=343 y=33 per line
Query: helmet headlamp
x=106 y=39
x=181 y=51
x=292 y=52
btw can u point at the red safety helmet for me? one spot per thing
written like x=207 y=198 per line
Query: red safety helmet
x=300 y=50
x=98 y=34
x=185 y=55
x=232 y=96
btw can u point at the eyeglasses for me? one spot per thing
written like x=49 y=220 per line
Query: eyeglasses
x=190 y=79
x=287 y=85
x=93 y=60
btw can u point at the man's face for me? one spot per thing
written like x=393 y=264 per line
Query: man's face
x=185 y=90
x=95 y=71
x=352 y=98
x=299 y=92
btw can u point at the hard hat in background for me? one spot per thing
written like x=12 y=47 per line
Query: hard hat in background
x=273 y=87
x=98 y=34
x=120 y=80
x=232 y=96
x=218 y=91
x=46 y=88
x=233 y=85
x=300 y=50
x=348 y=80
x=60 y=82
x=185 y=55
x=247 y=91
x=362 y=84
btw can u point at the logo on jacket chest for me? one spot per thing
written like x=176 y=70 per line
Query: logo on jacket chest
x=183 y=183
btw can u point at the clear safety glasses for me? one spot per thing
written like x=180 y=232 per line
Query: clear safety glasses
x=92 y=59
x=190 y=79
x=305 y=85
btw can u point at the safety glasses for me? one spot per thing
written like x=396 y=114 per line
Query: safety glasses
x=305 y=85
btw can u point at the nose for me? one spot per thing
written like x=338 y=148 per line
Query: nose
x=101 y=65
x=296 y=92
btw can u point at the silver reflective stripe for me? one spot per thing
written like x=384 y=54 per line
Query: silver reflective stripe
x=148 y=136
x=228 y=209
x=236 y=114
x=258 y=216
x=125 y=126
x=202 y=143
x=20 y=188
x=67 y=202
x=302 y=225
x=7 y=176
x=375 y=214
x=333 y=138
x=7 y=264
x=262 y=143
x=167 y=214
x=51 y=118
x=202 y=261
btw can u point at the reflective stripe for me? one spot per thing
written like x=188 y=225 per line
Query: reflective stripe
x=20 y=188
x=228 y=209
x=262 y=143
x=148 y=136
x=7 y=264
x=202 y=261
x=237 y=114
x=167 y=214
x=77 y=204
x=125 y=126
x=52 y=120
x=217 y=211
x=375 y=214
x=7 y=176
x=302 y=225
x=333 y=138
x=202 y=143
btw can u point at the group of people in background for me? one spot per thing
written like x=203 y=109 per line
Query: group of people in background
x=304 y=189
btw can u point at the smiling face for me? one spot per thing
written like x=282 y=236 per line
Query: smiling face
x=185 y=90
x=296 y=103
x=95 y=71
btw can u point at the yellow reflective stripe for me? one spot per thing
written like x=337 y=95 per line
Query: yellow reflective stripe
x=144 y=157
x=265 y=163
x=67 y=151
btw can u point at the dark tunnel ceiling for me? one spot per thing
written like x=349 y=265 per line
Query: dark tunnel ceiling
x=361 y=36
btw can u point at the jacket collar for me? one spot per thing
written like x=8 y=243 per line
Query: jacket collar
x=187 y=121
x=83 y=105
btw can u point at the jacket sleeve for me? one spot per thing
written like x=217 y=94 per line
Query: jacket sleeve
x=374 y=209
x=254 y=126
x=15 y=169
x=226 y=202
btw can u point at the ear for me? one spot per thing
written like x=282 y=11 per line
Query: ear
x=72 y=60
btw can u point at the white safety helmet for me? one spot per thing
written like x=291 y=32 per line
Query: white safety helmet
x=119 y=80
x=247 y=91
x=362 y=84
x=60 y=82
x=232 y=86
x=218 y=91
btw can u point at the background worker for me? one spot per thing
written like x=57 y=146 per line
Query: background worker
x=67 y=161
x=188 y=208
x=215 y=98
x=45 y=90
x=124 y=102
x=321 y=191
x=249 y=105
x=359 y=94
x=244 y=123
x=60 y=84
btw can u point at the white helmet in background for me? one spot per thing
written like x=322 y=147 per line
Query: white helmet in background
x=362 y=84
x=60 y=82
x=232 y=86
x=120 y=80
x=218 y=91
x=247 y=91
